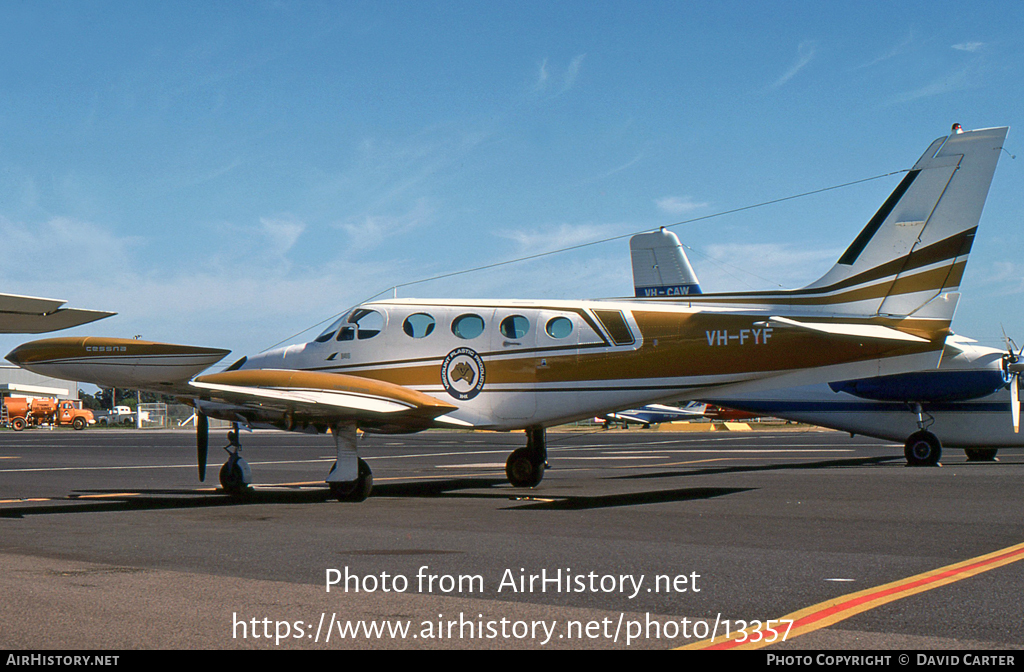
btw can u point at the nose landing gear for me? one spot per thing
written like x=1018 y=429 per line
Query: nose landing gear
x=235 y=475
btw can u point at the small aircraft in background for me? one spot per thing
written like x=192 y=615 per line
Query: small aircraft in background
x=35 y=315
x=406 y=365
x=653 y=414
x=968 y=401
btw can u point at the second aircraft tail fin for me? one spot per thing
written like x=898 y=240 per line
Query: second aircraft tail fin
x=660 y=267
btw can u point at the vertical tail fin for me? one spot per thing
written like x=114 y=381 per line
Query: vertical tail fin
x=660 y=267
x=915 y=248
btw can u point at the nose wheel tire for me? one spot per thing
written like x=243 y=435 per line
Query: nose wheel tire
x=231 y=477
x=234 y=475
x=922 y=449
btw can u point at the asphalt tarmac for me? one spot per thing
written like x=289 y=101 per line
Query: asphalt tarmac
x=635 y=539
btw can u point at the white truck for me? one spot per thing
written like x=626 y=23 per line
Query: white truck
x=121 y=415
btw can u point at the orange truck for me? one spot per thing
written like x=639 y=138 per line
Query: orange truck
x=20 y=413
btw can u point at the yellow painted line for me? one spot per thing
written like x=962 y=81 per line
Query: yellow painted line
x=9 y=457
x=106 y=496
x=28 y=499
x=832 y=611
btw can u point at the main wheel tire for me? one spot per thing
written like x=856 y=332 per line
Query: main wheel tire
x=981 y=454
x=523 y=469
x=232 y=478
x=357 y=490
x=18 y=424
x=922 y=449
x=78 y=423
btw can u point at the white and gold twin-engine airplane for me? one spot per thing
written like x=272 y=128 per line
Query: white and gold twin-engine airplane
x=409 y=365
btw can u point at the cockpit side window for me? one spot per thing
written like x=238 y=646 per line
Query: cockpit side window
x=514 y=326
x=559 y=327
x=468 y=326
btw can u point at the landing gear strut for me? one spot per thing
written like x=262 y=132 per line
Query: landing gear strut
x=235 y=475
x=350 y=479
x=525 y=466
x=922 y=448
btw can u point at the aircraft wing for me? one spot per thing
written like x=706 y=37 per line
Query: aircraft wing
x=292 y=399
x=34 y=315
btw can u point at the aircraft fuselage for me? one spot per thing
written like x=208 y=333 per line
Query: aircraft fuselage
x=509 y=364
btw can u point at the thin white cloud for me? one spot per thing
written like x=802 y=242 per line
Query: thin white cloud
x=954 y=81
x=617 y=169
x=542 y=76
x=564 y=235
x=371 y=230
x=546 y=81
x=969 y=46
x=805 y=53
x=892 y=53
x=282 y=233
x=573 y=72
x=679 y=205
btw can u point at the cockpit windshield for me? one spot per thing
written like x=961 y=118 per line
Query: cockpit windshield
x=329 y=331
x=361 y=323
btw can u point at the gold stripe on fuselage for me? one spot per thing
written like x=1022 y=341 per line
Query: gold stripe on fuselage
x=671 y=344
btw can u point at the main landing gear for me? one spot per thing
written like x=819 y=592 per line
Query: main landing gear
x=235 y=475
x=525 y=466
x=350 y=479
x=922 y=448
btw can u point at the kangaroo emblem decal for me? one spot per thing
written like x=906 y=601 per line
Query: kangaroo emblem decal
x=462 y=373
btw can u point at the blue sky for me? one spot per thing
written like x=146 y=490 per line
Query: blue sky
x=230 y=173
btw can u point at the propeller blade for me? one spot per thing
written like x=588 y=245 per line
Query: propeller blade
x=202 y=443
x=1015 y=403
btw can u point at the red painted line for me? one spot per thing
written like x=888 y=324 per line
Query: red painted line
x=899 y=588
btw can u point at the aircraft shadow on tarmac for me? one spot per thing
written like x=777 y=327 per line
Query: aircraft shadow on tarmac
x=88 y=501
x=711 y=471
x=93 y=501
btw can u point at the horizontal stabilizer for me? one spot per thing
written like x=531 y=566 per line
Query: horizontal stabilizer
x=874 y=332
x=35 y=315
